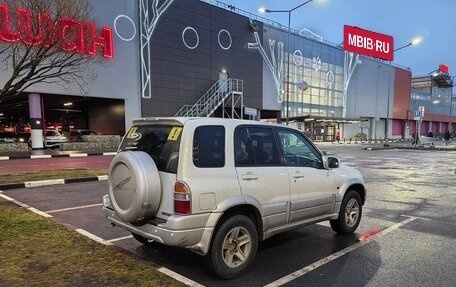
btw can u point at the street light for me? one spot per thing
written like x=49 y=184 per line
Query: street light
x=264 y=10
x=414 y=41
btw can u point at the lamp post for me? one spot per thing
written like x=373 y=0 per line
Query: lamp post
x=264 y=10
x=451 y=106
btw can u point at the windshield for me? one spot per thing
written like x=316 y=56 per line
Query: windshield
x=52 y=133
x=161 y=142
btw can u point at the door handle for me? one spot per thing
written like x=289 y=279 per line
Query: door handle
x=298 y=175
x=249 y=176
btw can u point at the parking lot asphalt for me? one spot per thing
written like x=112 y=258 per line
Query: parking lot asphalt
x=55 y=153
x=393 y=144
x=405 y=238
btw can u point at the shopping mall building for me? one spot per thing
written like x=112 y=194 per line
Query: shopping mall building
x=205 y=58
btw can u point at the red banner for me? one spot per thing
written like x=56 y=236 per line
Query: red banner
x=444 y=68
x=368 y=43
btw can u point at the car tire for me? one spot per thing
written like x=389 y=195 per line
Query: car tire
x=233 y=249
x=349 y=214
x=134 y=186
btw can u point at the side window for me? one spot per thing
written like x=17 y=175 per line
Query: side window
x=209 y=146
x=255 y=146
x=298 y=151
x=243 y=155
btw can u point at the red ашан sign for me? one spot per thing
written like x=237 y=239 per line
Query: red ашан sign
x=70 y=34
x=368 y=43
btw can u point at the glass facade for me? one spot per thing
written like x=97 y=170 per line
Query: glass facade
x=436 y=100
x=314 y=82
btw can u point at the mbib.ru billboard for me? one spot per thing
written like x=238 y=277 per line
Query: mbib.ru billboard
x=368 y=43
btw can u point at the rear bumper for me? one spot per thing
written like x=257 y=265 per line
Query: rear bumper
x=181 y=231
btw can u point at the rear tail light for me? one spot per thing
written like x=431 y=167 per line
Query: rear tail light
x=182 y=199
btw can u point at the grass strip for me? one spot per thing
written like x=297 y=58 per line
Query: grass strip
x=50 y=174
x=37 y=251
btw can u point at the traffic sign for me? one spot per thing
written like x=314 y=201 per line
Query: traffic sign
x=417 y=115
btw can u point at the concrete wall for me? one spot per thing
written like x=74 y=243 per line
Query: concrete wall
x=184 y=66
x=371 y=95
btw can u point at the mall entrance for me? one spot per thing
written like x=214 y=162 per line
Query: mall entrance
x=65 y=113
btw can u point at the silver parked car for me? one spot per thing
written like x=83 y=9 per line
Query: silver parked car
x=219 y=186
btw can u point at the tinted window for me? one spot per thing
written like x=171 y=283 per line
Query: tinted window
x=298 y=151
x=161 y=142
x=209 y=146
x=255 y=146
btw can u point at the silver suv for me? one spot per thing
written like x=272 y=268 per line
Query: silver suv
x=218 y=186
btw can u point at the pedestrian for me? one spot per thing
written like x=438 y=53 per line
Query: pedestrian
x=338 y=136
x=447 y=137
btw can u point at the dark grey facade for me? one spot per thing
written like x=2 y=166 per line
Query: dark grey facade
x=192 y=43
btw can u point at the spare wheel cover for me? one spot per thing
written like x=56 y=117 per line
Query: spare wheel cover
x=134 y=186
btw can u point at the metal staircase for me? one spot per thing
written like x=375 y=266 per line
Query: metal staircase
x=227 y=94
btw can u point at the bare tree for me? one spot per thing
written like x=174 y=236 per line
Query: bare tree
x=45 y=44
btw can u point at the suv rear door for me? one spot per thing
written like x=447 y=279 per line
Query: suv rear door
x=161 y=141
x=261 y=175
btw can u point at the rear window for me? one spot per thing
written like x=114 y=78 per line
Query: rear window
x=161 y=142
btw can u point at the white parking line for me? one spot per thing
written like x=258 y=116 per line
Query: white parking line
x=32 y=209
x=110 y=153
x=4 y=157
x=73 y=208
x=93 y=237
x=179 y=277
x=334 y=256
x=416 y=217
x=120 y=238
x=100 y=240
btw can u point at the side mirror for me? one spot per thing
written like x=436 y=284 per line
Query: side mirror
x=333 y=162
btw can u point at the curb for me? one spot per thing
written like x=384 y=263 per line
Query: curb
x=48 y=182
x=410 y=148
x=41 y=156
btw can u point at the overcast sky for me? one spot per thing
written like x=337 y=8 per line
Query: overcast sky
x=404 y=20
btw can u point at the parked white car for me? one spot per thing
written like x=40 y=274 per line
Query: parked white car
x=52 y=138
x=218 y=186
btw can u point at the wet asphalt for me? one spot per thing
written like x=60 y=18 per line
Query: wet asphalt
x=402 y=184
